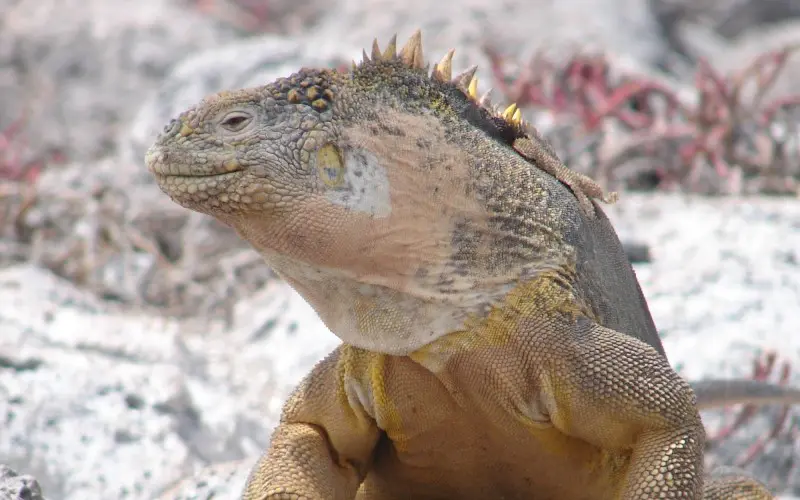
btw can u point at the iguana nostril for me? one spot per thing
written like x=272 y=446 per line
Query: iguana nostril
x=172 y=127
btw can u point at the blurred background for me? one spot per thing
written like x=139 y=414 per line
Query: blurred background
x=141 y=343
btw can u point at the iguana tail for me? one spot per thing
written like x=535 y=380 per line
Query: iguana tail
x=713 y=393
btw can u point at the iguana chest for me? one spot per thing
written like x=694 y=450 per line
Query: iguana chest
x=462 y=432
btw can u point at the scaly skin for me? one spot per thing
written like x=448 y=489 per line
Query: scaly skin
x=496 y=341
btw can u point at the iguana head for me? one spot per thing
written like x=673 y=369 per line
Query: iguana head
x=357 y=187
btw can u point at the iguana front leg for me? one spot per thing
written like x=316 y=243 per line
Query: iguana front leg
x=616 y=392
x=322 y=446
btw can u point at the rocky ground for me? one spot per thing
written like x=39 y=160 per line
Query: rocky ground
x=141 y=344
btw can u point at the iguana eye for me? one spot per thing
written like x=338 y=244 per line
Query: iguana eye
x=236 y=120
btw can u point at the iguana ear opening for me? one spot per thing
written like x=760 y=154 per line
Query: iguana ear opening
x=330 y=165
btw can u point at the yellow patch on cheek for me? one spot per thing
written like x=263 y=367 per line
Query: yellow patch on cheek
x=330 y=165
x=231 y=165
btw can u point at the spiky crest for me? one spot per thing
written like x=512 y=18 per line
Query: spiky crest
x=412 y=56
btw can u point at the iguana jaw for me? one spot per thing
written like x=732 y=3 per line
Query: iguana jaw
x=193 y=189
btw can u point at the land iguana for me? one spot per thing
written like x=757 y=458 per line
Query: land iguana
x=496 y=342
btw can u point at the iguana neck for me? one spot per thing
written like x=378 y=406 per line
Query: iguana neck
x=382 y=316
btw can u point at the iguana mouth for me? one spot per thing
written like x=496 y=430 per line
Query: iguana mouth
x=221 y=175
x=160 y=163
